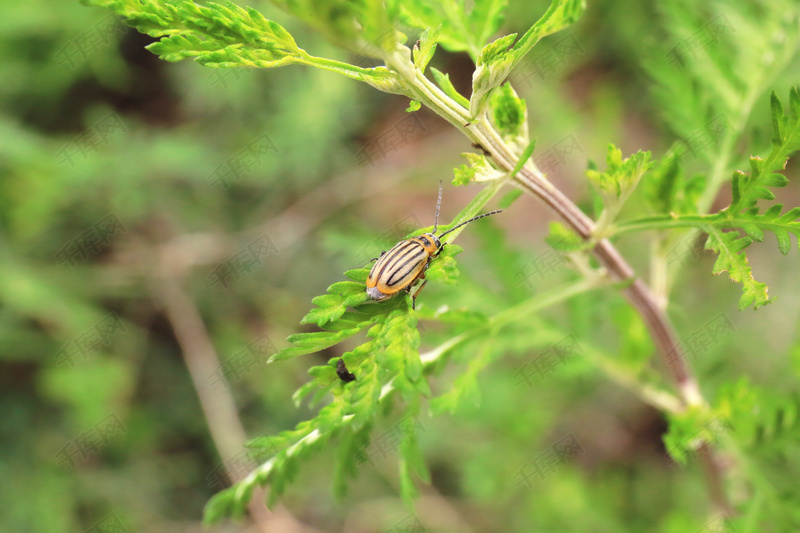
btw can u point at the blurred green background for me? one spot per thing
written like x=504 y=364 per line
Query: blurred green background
x=155 y=216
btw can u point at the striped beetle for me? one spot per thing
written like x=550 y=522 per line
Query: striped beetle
x=401 y=267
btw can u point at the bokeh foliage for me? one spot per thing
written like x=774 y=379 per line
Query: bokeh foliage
x=95 y=130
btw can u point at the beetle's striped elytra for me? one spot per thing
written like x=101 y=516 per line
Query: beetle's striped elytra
x=401 y=267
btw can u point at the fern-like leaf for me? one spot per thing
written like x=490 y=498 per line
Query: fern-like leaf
x=732 y=259
x=748 y=189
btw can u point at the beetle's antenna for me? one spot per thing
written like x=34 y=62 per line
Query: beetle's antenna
x=470 y=220
x=438 y=206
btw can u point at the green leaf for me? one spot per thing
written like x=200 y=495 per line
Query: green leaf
x=479 y=169
x=414 y=105
x=748 y=189
x=563 y=239
x=358 y=274
x=510 y=197
x=398 y=344
x=560 y=15
x=444 y=268
x=461 y=28
x=333 y=305
x=465 y=385
x=619 y=180
x=497 y=59
x=692 y=428
x=425 y=47
x=509 y=114
x=492 y=67
x=443 y=81
x=621 y=175
x=377 y=20
x=347 y=453
x=218 y=35
x=666 y=189
x=366 y=389
x=226 y=35
x=732 y=259
x=412 y=461
x=305 y=343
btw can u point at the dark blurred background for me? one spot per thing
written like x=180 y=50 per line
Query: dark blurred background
x=157 y=217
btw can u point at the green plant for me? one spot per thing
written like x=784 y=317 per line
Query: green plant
x=388 y=363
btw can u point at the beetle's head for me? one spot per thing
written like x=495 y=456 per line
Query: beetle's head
x=430 y=241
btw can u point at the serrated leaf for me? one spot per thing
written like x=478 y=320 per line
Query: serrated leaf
x=346 y=288
x=480 y=169
x=444 y=268
x=730 y=246
x=358 y=274
x=764 y=173
x=666 y=189
x=305 y=343
x=332 y=306
x=426 y=47
x=303 y=391
x=690 y=429
x=621 y=175
x=399 y=342
x=784 y=241
x=619 y=180
x=462 y=27
x=753 y=231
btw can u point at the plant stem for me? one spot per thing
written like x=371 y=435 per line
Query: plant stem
x=531 y=179
x=637 y=292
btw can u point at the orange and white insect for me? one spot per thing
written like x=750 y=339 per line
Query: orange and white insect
x=405 y=264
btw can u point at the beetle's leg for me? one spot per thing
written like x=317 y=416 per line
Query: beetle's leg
x=376 y=258
x=414 y=296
